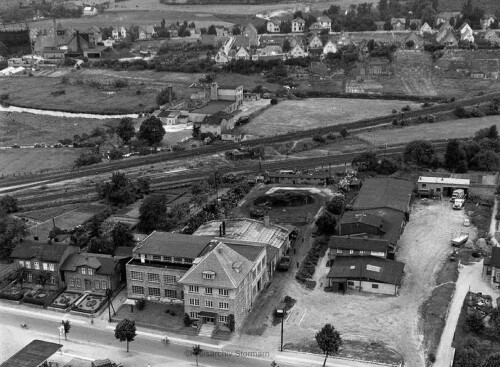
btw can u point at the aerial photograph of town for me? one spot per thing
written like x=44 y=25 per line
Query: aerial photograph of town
x=239 y=183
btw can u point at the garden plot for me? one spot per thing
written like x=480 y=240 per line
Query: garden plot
x=289 y=116
x=362 y=318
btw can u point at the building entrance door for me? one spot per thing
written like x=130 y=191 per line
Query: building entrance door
x=88 y=285
x=208 y=320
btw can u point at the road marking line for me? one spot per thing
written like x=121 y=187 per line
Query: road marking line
x=302 y=317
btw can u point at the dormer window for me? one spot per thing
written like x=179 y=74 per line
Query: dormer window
x=208 y=275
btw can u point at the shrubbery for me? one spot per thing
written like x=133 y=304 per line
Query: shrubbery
x=308 y=266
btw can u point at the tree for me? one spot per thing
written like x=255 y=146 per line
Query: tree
x=485 y=160
x=429 y=14
x=329 y=341
x=125 y=331
x=119 y=191
x=211 y=30
x=388 y=26
x=410 y=44
x=466 y=357
x=455 y=156
x=387 y=167
x=365 y=162
x=164 y=97
x=143 y=184
x=42 y=277
x=8 y=204
x=231 y=323
x=19 y=275
x=125 y=129
x=475 y=322
x=286 y=46
x=344 y=132
x=326 y=223
x=493 y=360
x=152 y=131
x=121 y=235
x=196 y=352
x=153 y=213
x=383 y=9
x=187 y=320
x=11 y=230
x=67 y=327
x=419 y=152
x=336 y=204
x=236 y=30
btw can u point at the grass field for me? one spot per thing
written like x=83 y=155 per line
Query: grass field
x=305 y=114
x=28 y=129
x=36 y=92
x=19 y=161
x=441 y=130
x=456 y=5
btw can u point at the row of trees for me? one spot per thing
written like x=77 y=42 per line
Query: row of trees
x=12 y=229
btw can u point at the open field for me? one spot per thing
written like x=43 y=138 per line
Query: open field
x=453 y=129
x=456 y=5
x=16 y=161
x=423 y=247
x=35 y=92
x=288 y=116
x=127 y=17
x=232 y=8
x=28 y=129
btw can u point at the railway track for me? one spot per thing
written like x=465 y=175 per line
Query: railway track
x=160 y=183
x=212 y=149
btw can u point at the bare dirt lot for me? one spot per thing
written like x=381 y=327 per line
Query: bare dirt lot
x=391 y=321
x=462 y=128
x=305 y=114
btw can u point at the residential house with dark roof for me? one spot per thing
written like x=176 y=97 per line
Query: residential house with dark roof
x=398 y=24
x=38 y=256
x=492 y=36
x=357 y=246
x=223 y=283
x=146 y=32
x=273 y=25
x=316 y=28
x=159 y=262
x=448 y=40
x=325 y=22
x=217 y=123
x=367 y=274
x=298 y=25
x=491 y=267
x=168 y=117
x=93 y=273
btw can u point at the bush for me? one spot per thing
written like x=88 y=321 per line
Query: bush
x=344 y=132
x=187 y=320
x=87 y=159
x=120 y=83
x=462 y=113
x=274 y=101
x=140 y=304
x=474 y=322
x=331 y=136
x=432 y=357
x=319 y=139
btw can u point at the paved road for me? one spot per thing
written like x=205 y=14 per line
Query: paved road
x=92 y=341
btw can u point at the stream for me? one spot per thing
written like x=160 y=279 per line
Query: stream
x=36 y=111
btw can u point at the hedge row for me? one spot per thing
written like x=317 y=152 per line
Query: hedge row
x=308 y=266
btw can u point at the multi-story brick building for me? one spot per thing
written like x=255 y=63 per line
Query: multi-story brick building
x=225 y=281
x=159 y=261
x=36 y=257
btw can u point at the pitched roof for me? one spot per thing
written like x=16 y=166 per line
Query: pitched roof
x=275 y=21
x=101 y=265
x=298 y=20
x=372 y=268
x=495 y=257
x=172 y=244
x=392 y=223
x=229 y=266
x=358 y=243
x=357 y=217
x=248 y=251
x=33 y=354
x=324 y=18
x=216 y=118
x=39 y=250
x=244 y=230
x=384 y=193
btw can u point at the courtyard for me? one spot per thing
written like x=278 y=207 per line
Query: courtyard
x=424 y=247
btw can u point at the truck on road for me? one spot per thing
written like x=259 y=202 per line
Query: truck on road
x=285 y=263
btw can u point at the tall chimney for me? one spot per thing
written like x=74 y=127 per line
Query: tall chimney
x=170 y=95
x=220 y=230
x=55 y=34
x=224 y=227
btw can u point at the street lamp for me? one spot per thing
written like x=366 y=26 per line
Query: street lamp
x=281 y=313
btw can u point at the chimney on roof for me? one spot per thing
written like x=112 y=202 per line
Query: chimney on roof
x=267 y=220
x=224 y=227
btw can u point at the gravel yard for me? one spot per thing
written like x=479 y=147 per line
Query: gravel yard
x=393 y=321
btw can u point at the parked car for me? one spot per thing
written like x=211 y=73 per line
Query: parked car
x=460 y=239
x=458 y=204
x=457 y=194
x=285 y=263
x=16 y=146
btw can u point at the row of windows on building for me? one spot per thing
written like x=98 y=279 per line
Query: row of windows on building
x=29 y=278
x=208 y=304
x=153 y=277
x=36 y=265
x=77 y=283
x=156 y=292
x=209 y=290
x=361 y=252
x=374 y=286
x=168 y=259
x=195 y=316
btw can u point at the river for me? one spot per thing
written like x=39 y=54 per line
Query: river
x=36 y=111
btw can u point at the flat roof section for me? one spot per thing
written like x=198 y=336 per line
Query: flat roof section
x=444 y=180
x=32 y=355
